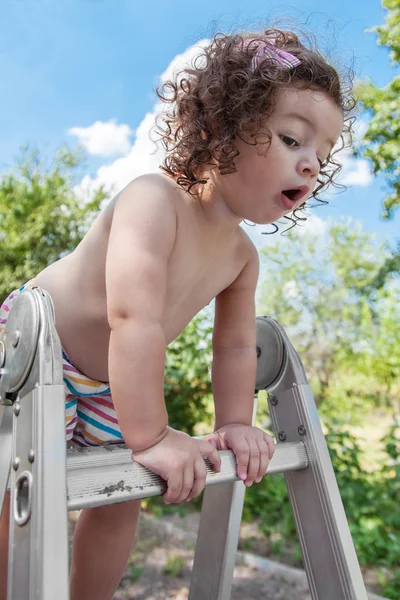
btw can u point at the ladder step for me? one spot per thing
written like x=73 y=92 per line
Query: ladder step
x=107 y=474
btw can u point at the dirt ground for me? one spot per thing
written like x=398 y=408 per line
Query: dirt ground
x=161 y=561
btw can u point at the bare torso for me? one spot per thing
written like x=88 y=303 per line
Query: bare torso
x=201 y=265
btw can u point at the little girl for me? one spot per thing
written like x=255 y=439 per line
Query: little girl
x=249 y=136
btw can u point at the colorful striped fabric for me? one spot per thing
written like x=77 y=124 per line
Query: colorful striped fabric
x=89 y=410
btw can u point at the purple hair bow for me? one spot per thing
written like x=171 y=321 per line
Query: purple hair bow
x=281 y=57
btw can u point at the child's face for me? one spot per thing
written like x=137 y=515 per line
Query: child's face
x=304 y=127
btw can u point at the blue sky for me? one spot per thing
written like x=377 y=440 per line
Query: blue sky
x=85 y=72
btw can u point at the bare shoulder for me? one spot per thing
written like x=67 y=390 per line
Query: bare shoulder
x=151 y=186
x=155 y=180
x=249 y=249
x=250 y=263
x=144 y=220
x=141 y=240
x=149 y=199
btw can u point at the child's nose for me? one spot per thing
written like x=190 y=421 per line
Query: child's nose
x=309 y=166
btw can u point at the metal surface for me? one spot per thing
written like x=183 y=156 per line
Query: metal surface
x=23 y=498
x=16 y=362
x=217 y=541
x=49 y=563
x=20 y=338
x=269 y=351
x=107 y=474
x=32 y=376
x=328 y=551
x=2 y=354
x=6 y=423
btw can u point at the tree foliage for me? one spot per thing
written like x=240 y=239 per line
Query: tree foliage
x=187 y=376
x=315 y=287
x=41 y=218
x=381 y=142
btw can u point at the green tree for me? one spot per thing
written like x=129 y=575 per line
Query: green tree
x=187 y=376
x=41 y=218
x=377 y=355
x=381 y=141
x=313 y=285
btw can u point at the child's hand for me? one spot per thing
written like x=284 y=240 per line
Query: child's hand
x=178 y=459
x=253 y=449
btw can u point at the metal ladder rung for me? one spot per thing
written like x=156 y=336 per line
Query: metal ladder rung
x=107 y=474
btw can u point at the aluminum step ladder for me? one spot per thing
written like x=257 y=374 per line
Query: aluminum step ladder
x=47 y=480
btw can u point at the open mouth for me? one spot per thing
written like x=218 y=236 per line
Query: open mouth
x=293 y=194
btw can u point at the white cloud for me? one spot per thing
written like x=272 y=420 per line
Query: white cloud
x=182 y=60
x=141 y=157
x=104 y=139
x=356 y=171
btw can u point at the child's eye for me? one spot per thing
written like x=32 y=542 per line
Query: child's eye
x=289 y=141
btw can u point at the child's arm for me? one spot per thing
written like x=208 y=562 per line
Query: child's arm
x=234 y=374
x=234 y=347
x=141 y=240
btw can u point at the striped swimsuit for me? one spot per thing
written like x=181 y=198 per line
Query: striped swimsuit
x=90 y=417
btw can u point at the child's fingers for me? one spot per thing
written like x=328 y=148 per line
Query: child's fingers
x=254 y=461
x=187 y=482
x=207 y=449
x=264 y=459
x=270 y=443
x=212 y=440
x=200 y=474
x=174 y=483
x=242 y=452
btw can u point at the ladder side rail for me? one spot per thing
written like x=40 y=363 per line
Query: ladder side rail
x=6 y=440
x=329 y=555
x=328 y=551
x=20 y=531
x=49 y=564
x=38 y=548
x=217 y=541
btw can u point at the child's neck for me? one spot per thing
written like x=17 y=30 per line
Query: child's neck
x=215 y=209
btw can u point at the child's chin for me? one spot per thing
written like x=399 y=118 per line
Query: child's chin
x=271 y=218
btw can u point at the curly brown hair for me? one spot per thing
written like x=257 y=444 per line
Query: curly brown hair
x=221 y=97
